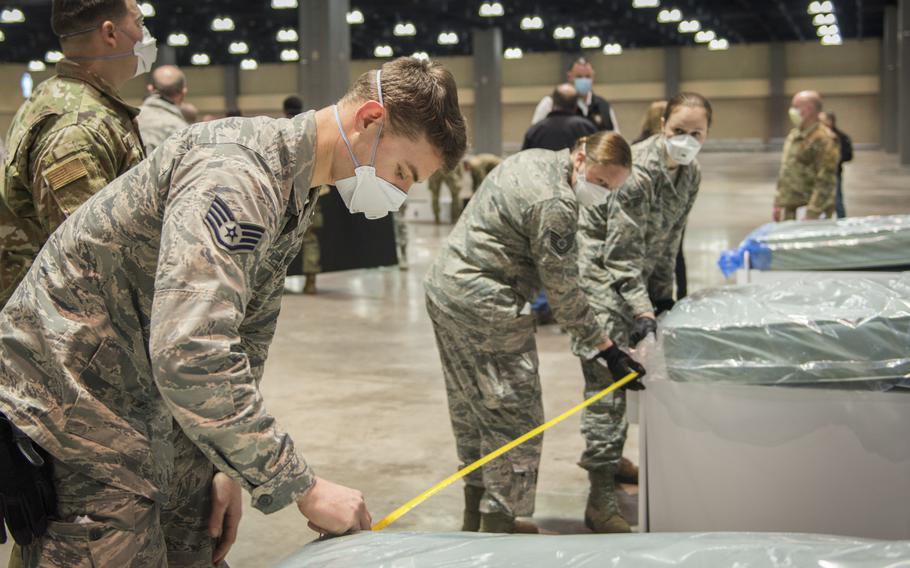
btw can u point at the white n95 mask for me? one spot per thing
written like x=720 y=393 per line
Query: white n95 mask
x=589 y=194
x=366 y=192
x=146 y=52
x=683 y=148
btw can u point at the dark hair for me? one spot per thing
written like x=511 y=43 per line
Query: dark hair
x=421 y=98
x=292 y=106
x=69 y=16
x=579 y=61
x=833 y=118
x=688 y=100
x=563 y=102
x=606 y=148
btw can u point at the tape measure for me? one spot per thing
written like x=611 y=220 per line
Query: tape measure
x=404 y=509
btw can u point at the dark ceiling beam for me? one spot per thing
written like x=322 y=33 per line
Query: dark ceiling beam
x=859 y=19
x=748 y=7
x=786 y=13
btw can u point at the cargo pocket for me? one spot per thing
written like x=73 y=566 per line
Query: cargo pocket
x=93 y=421
x=524 y=490
x=509 y=380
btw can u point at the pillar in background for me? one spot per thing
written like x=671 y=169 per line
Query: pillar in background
x=488 y=90
x=672 y=71
x=779 y=101
x=325 y=51
x=889 y=81
x=231 y=86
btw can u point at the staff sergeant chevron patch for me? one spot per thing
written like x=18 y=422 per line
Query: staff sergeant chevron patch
x=228 y=233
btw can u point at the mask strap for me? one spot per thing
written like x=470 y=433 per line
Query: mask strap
x=79 y=32
x=379 y=136
x=345 y=138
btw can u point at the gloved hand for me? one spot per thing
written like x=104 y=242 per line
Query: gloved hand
x=621 y=364
x=641 y=329
x=27 y=496
x=662 y=306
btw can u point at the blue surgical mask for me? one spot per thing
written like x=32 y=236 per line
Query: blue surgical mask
x=584 y=85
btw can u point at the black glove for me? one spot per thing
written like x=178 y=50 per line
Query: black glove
x=27 y=496
x=621 y=364
x=641 y=329
x=661 y=306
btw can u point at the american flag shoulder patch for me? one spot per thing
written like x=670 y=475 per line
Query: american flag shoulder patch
x=230 y=234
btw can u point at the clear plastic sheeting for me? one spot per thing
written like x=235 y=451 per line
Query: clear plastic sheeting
x=840 y=333
x=854 y=243
x=708 y=550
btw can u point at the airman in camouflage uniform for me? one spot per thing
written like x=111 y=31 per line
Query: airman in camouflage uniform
x=627 y=256
x=399 y=220
x=71 y=138
x=312 y=253
x=808 y=172
x=160 y=297
x=452 y=181
x=515 y=237
x=480 y=166
x=158 y=119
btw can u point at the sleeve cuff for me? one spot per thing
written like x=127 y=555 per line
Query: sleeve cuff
x=640 y=305
x=295 y=479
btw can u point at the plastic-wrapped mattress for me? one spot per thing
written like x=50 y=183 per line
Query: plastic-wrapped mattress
x=854 y=243
x=847 y=333
x=708 y=550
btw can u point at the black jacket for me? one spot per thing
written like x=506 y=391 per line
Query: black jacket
x=558 y=131
x=599 y=113
x=846 y=150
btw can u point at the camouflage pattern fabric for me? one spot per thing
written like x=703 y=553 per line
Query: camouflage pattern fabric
x=516 y=236
x=312 y=254
x=808 y=172
x=100 y=525
x=159 y=118
x=627 y=256
x=494 y=396
x=451 y=180
x=71 y=138
x=399 y=221
x=480 y=167
x=153 y=307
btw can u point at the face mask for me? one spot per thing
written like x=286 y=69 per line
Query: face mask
x=795 y=117
x=583 y=85
x=366 y=192
x=683 y=148
x=589 y=194
x=145 y=50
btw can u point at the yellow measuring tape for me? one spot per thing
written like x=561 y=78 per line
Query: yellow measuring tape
x=404 y=509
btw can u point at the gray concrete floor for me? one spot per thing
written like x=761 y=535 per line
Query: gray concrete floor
x=354 y=376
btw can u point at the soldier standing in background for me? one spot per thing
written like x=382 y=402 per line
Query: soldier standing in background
x=75 y=134
x=627 y=255
x=451 y=180
x=133 y=354
x=479 y=167
x=514 y=238
x=160 y=114
x=808 y=169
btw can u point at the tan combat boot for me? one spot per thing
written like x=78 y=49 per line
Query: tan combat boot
x=503 y=523
x=627 y=472
x=602 y=513
x=310 y=286
x=472 y=496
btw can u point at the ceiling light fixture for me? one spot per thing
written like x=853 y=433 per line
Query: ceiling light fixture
x=705 y=36
x=225 y=24
x=53 y=56
x=513 y=53
x=13 y=16
x=689 y=26
x=355 y=17
x=532 y=23
x=821 y=8
x=284 y=4
x=287 y=35
x=405 y=29
x=148 y=11
x=719 y=45
x=36 y=66
x=249 y=65
x=447 y=38
x=421 y=55
x=590 y=42
x=645 y=3
x=383 y=51
x=200 y=59
x=290 y=55
x=669 y=16
x=178 y=40
x=238 y=48
x=491 y=10
x=564 y=32
x=612 y=49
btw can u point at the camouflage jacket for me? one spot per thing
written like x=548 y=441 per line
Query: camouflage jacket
x=158 y=119
x=808 y=170
x=156 y=302
x=70 y=139
x=480 y=167
x=628 y=246
x=516 y=236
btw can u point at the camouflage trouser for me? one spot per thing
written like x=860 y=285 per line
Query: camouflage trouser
x=401 y=230
x=494 y=397
x=312 y=256
x=603 y=424
x=98 y=525
x=789 y=214
x=454 y=190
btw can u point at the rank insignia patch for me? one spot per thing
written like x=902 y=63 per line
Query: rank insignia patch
x=561 y=244
x=228 y=233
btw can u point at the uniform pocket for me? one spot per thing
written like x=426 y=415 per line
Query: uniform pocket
x=90 y=419
x=509 y=379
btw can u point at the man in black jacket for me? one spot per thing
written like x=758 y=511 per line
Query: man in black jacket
x=562 y=127
x=846 y=155
x=589 y=105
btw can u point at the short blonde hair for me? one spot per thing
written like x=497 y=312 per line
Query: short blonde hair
x=607 y=149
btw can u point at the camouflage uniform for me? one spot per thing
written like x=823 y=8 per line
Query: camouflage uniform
x=70 y=139
x=143 y=333
x=480 y=167
x=158 y=119
x=516 y=236
x=451 y=180
x=312 y=254
x=399 y=220
x=808 y=172
x=627 y=257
